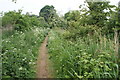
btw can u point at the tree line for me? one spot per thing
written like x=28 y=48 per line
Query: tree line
x=101 y=14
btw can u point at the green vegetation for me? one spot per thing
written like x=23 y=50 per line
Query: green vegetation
x=51 y=17
x=83 y=43
x=89 y=47
x=87 y=57
x=21 y=22
x=19 y=53
x=22 y=36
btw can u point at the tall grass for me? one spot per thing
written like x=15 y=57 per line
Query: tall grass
x=87 y=57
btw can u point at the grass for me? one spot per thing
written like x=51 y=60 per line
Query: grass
x=87 y=57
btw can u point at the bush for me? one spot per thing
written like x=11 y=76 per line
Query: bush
x=81 y=31
x=19 y=52
x=87 y=57
x=21 y=22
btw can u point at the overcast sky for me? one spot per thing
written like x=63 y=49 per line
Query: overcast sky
x=34 y=6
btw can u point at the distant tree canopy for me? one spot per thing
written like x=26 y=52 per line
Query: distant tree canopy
x=51 y=17
x=10 y=18
x=99 y=11
x=96 y=15
x=101 y=14
x=22 y=22
x=48 y=12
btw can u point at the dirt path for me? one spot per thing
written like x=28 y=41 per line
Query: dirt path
x=42 y=62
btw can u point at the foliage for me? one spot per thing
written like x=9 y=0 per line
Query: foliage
x=82 y=44
x=50 y=16
x=0 y=22
x=88 y=57
x=76 y=32
x=19 y=53
x=72 y=15
x=19 y=21
x=99 y=12
x=48 y=12
x=10 y=18
x=43 y=22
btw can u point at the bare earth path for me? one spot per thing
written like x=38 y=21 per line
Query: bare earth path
x=42 y=62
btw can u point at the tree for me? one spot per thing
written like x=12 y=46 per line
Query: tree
x=50 y=16
x=98 y=12
x=119 y=13
x=72 y=15
x=20 y=22
x=10 y=18
x=114 y=20
x=73 y=18
x=48 y=12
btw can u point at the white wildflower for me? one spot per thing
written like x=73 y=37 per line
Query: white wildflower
x=20 y=68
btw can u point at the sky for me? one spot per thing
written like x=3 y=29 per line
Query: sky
x=34 y=6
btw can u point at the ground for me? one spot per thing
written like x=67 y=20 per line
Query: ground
x=43 y=62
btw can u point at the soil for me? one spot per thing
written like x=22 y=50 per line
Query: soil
x=42 y=61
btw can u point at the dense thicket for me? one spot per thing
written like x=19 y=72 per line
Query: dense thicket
x=51 y=17
x=22 y=35
x=101 y=14
x=21 y=22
